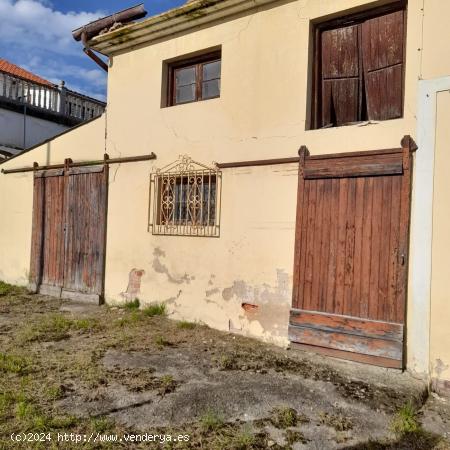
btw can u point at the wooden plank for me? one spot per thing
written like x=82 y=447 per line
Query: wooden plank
x=301 y=206
x=332 y=255
x=37 y=234
x=366 y=248
x=383 y=282
x=49 y=173
x=93 y=299
x=349 y=248
x=309 y=248
x=347 y=342
x=341 y=241
x=324 y=256
x=350 y=356
x=377 y=208
x=358 y=245
x=346 y=325
x=405 y=211
x=317 y=247
x=85 y=169
x=359 y=165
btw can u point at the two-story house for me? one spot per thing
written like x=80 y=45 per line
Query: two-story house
x=276 y=168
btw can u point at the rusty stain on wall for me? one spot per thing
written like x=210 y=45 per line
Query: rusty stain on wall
x=159 y=267
x=134 y=284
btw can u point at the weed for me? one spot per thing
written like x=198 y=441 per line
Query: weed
x=338 y=422
x=101 y=424
x=295 y=436
x=227 y=362
x=13 y=364
x=405 y=420
x=54 y=392
x=156 y=309
x=244 y=440
x=9 y=289
x=284 y=417
x=86 y=324
x=185 y=325
x=161 y=341
x=167 y=384
x=133 y=318
x=211 y=421
x=133 y=305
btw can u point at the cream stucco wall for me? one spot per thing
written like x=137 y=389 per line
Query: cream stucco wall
x=261 y=114
x=440 y=292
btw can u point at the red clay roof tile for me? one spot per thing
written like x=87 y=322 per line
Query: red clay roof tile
x=6 y=66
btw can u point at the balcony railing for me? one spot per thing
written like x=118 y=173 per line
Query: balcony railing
x=58 y=99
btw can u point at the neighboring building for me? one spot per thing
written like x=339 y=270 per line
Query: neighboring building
x=344 y=250
x=33 y=109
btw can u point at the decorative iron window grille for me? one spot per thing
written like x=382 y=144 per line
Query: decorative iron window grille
x=185 y=199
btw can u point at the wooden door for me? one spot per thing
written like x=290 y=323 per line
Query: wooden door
x=69 y=232
x=351 y=254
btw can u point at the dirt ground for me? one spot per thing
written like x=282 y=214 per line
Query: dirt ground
x=105 y=373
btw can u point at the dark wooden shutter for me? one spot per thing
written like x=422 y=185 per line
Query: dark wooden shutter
x=383 y=62
x=341 y=76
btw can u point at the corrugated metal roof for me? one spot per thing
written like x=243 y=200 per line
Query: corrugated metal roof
x=6 y=66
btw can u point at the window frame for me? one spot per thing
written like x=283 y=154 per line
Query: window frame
x=185 y=186
x=315 y=120
x=198 y=62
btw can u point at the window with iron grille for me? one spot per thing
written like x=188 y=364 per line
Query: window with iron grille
x=185 y=199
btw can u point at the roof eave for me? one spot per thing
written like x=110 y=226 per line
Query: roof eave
x=182 y=19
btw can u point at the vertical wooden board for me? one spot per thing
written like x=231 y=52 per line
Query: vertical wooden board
x=357 y=261
x=301 y=206
x=366 y=247
x=375 y=247
x=349 y=247
x=317 y=247
x=310 y=245
x=303 y=245
x=345 y=94
x=394 y=248
x=383 y=283
x=332 y=255
x=340 y=255
x=37 y=232
x=325 y=246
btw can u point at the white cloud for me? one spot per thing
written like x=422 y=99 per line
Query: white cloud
x=33 y=25
x=39 y=38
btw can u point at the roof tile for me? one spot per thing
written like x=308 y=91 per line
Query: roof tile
x=6 y=66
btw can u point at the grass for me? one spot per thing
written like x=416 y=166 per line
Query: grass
x=185 y=325
x=155 y=309
x=13 y=364
x=133 y=305
x=56 y=327
x=9 y=289
x=161 y=341
x=284 y=417
x=211 y=421
x=405 y=420
x=338 y=422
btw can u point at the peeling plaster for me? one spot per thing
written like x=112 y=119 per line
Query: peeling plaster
x=134 y=284
x=211 y=292
x=263 y=308
x=159 y=267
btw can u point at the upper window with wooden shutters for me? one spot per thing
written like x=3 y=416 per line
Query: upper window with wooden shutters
x=359 y=68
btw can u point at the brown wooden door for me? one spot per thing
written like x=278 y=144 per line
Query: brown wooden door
x=350 y=269
x=69 y=231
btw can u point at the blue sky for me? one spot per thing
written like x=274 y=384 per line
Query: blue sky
x=36 y=35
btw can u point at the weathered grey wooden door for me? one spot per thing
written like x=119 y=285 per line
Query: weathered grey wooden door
x=351 y=254
x=69 y=232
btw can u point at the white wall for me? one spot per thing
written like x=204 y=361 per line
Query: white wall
x=37 y=130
